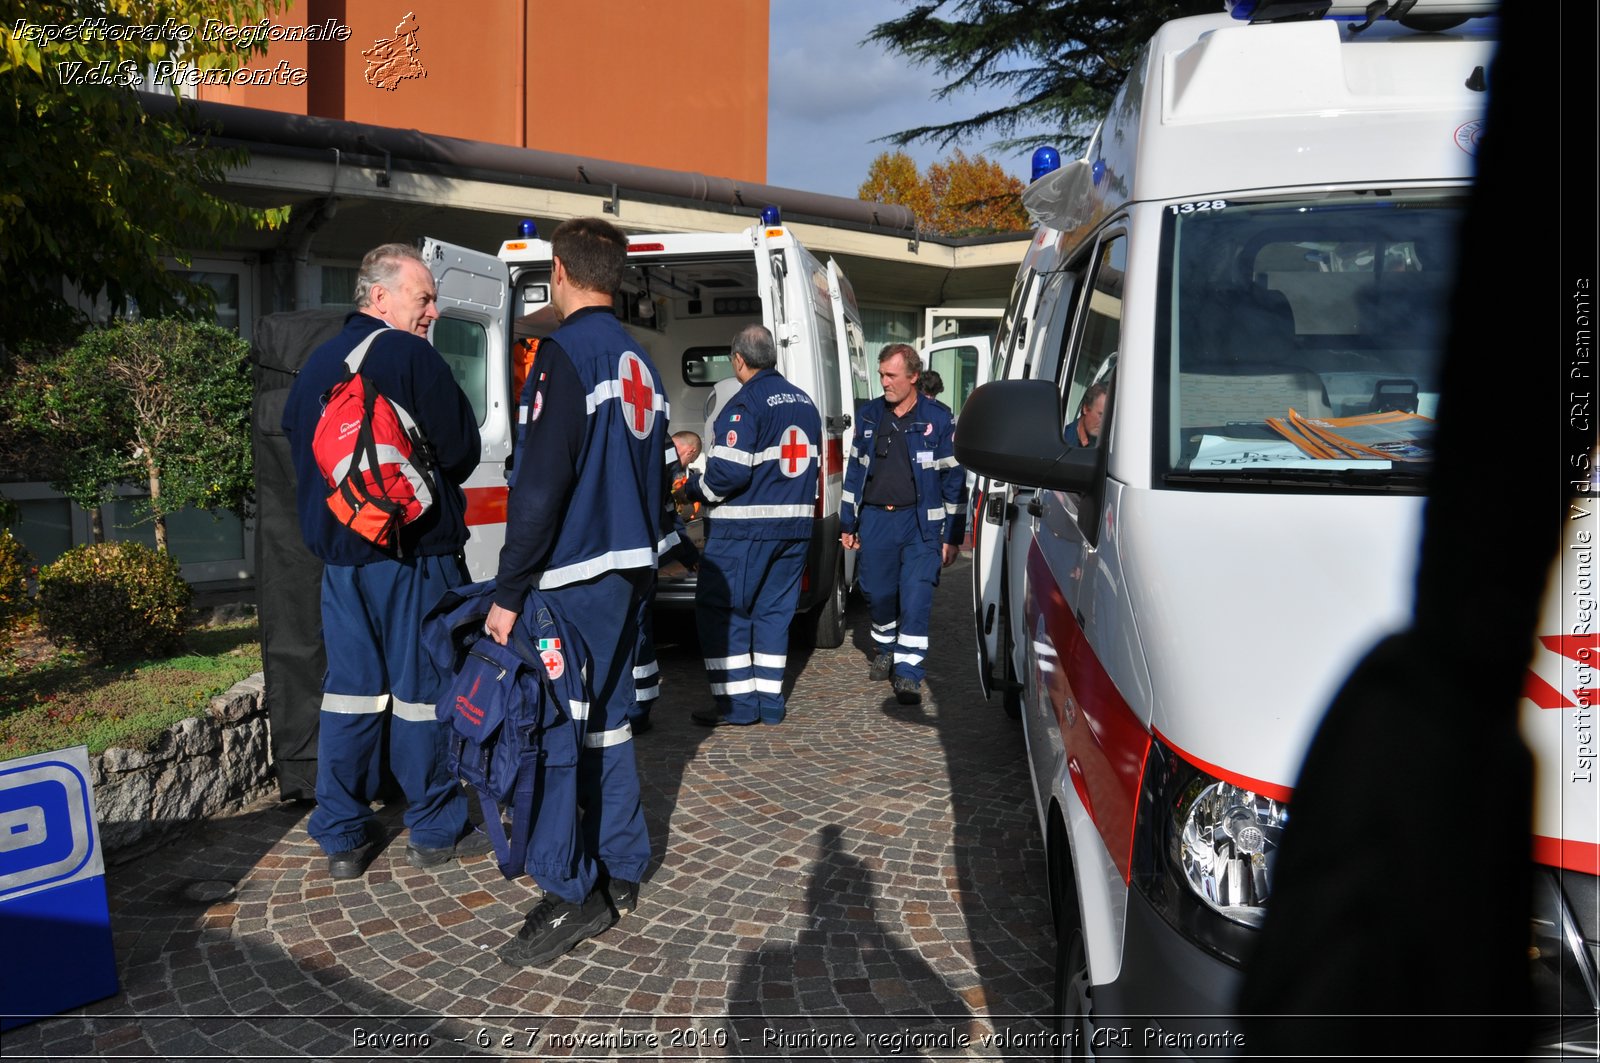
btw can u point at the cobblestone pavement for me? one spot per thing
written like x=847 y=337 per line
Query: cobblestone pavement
x=863 y=882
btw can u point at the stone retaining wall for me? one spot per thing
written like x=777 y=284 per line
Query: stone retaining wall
x=201 y=767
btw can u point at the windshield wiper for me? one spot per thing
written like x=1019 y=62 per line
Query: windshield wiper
x=1399 y=480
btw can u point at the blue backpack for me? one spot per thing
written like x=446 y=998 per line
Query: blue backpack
x=509 y=732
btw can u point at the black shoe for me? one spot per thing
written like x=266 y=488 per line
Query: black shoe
x=353 y=862
x=882 y=666
x=554 y=927
x=474 y=843
x=907 y=691
x=713 y=718
x=623 y=895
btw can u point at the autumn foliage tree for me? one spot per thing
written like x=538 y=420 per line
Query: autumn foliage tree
x=958 y=196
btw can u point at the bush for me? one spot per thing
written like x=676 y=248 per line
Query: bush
x=117 y=599
x=14 y=600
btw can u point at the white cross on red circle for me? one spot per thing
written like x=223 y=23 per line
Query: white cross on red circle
x=637 y=393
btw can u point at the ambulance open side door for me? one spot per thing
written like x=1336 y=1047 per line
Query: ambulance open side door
x=473 y=336
x=839 y=428
x=994 y=504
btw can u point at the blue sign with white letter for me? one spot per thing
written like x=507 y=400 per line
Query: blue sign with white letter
x=53 y=913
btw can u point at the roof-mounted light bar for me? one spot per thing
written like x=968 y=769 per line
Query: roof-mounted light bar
x=1419 y=14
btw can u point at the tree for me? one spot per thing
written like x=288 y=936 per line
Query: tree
x=958 y=196
x=163 y=405
x=1063 y=59
x=98 y=190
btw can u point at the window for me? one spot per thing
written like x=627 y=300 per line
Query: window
x=44 y=525
x=958 y=368
x=1302 y=334
x=464 y=346
x=704 y=366
x=883 y=327
x=1094 y=362
x=194 y=536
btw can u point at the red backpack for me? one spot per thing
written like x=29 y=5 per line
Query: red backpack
x=373 y=456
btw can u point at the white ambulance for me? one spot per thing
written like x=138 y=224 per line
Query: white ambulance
x=684 y=296
x=1254 y=259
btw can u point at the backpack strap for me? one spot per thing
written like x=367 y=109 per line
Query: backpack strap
x=358 y=353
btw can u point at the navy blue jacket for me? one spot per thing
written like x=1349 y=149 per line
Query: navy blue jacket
x=761 y=475
x=941 y=485
x=588 y=488
x=407 y=371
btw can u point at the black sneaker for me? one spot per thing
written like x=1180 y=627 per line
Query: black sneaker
x=907 y=691
x=623 y=895
x=554 y=927
x=882 y=666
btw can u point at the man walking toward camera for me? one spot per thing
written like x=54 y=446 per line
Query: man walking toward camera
x=583 y=526
x=761 y=482
x=903 y=510
x=373 y=600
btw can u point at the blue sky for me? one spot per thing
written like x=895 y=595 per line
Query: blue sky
x=828 y=97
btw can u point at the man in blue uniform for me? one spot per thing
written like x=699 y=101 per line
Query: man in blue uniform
x=679 y=555
x=761 y=482
x=373 y=601
x=584 y=526
x=903 y=509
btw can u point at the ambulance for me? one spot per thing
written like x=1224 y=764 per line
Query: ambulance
x=1253 y=260
x=683 y=297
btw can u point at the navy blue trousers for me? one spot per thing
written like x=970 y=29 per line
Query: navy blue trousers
x=381 y=683
x=744 y=603
x=898 y=570
x=611 y=827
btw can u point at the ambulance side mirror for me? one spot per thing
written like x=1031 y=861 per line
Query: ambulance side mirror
x=1010 y=430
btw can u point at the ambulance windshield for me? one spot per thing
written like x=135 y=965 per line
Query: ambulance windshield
x=1303 y=336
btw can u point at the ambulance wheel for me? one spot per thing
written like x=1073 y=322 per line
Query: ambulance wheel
x=828 y=617
x=1071 y=1013
x=1070 y=1008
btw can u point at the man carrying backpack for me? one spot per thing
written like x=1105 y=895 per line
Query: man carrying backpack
x=374 y=599
x=584 y=524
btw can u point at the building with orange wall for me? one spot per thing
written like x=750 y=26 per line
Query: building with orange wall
x=679 y=86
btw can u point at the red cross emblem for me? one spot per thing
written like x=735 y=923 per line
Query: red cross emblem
x=795 y=453
x=638 y=395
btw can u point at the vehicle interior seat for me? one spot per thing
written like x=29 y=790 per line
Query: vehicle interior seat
x=1236 y=362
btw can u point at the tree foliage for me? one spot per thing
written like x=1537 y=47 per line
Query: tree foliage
x=162 y=405
x=98 y=190
x=1062 y=61
x=958 y=196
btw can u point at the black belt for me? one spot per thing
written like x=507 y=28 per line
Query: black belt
x=880 y=505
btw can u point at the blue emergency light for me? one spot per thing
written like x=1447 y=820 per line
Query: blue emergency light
x=527 y=229
x=770 y=215
x=1044 y=161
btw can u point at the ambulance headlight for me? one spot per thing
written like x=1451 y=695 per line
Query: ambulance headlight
x=1226 y=847
x=1203 y=851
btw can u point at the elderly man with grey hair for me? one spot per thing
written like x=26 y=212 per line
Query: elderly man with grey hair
x=380 y=685
x=760 y=483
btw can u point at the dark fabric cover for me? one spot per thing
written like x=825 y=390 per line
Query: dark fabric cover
x=288 y=577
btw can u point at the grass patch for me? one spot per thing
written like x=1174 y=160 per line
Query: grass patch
x=51 y=698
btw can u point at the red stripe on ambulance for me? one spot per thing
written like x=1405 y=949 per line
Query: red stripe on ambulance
x=486 y=505
x=1105 y=743
x=1574 y=856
